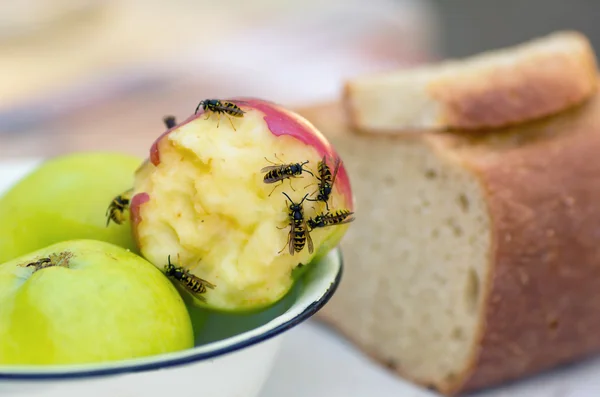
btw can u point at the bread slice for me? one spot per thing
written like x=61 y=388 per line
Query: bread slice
x=473 y=259
x=492 y=89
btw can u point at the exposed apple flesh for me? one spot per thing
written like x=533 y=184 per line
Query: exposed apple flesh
x=201 y=200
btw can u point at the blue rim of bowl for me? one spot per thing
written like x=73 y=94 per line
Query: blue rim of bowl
x=307 y=313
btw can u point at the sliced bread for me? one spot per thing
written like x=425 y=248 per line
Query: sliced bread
x=473 y=259
x=488 y=90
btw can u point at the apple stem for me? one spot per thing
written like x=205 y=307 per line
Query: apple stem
x=60 y=259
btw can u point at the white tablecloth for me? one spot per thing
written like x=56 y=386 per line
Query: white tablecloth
x=316 y=362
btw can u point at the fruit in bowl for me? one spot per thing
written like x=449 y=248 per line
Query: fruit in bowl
x=254 y=254
x=87 y=301
x=63 y=199
x=235 y=201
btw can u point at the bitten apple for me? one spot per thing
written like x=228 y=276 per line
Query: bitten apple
x=202 y=200
x=87 y=301
x=65 y=198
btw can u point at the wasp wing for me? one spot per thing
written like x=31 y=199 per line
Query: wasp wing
x=291 y=238
x=335 y=170
x=309 y=241
x=237 y=101
x=339 y=223
x=348 y=220
x=270 y=168
x=206 y=283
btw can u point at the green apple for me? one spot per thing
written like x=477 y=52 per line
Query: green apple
x=65 y=198
x=87 y=301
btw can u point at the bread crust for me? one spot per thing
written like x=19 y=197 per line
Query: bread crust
x=540 y=85
x=503 y=93
x=542 y=294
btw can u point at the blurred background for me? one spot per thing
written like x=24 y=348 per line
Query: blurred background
x=92 y=74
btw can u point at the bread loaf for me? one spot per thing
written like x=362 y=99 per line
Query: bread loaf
x=488 y=90
x=474 y=259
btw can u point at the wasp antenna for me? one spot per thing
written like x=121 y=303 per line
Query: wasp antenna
x=288 y=197
x=304 y=198
x=291 y=184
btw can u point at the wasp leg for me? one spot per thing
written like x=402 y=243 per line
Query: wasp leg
x=207 y=116
x=231 y=122
x=309 y=199
x=218 y=119
x=314 y=183
x=310 y=184
x=290 y=179
x=287 y=243
x=276 y=186
x=273 y=162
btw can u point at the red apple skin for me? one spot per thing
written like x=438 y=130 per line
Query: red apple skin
x=281 y=122
x=136 y=202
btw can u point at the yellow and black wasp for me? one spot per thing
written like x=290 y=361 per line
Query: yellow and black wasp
x=191 y=282
x=280 y=172
x=338 y=217
x=326 y=180
x=220 y=107
x=169 y=121
x=117 y=210
x=299 y=235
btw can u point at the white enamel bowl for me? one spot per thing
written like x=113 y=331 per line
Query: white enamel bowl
x=234 y=363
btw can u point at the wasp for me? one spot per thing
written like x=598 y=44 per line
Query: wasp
x=191 y=282
x=280 y=172
x=169 y=121
x=326 y=180
x=299 y=235
x=330 y=219
x=220 y=107
x=118 y=207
